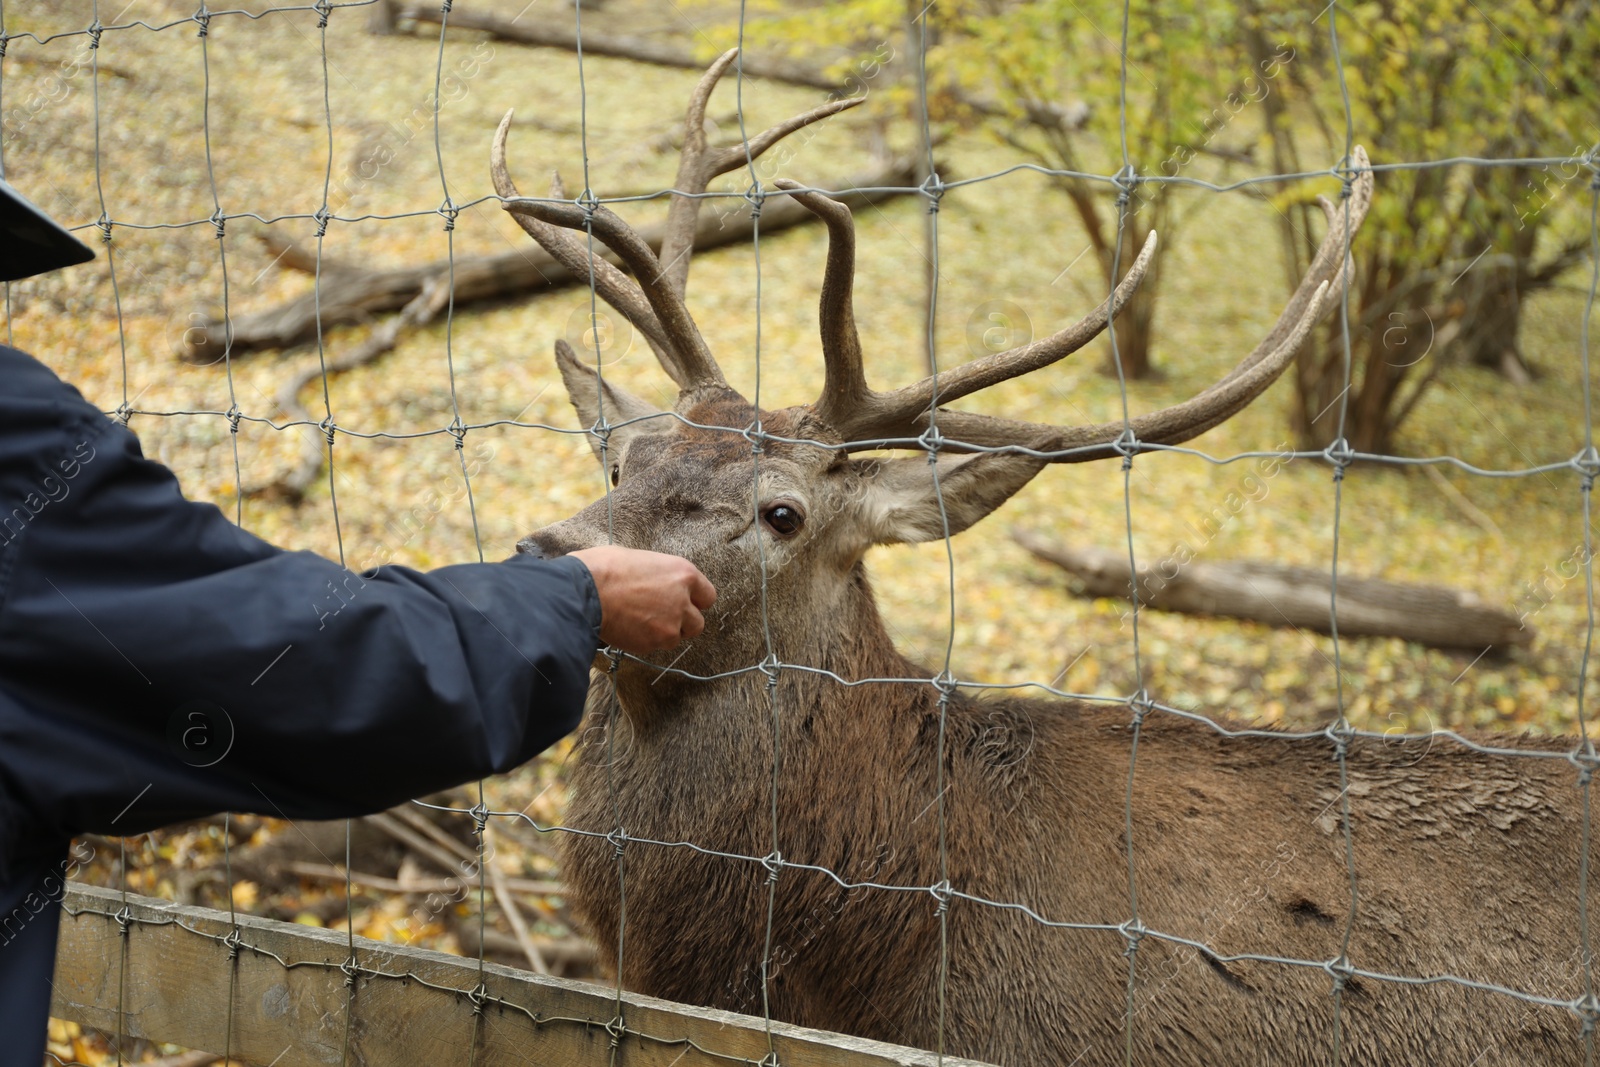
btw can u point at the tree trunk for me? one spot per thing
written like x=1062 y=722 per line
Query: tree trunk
x=1491 y=322
x=380 y=18
x=1491 y=340
x=1135 y=330
x=1135 y=325
x=1375 y=379
x=1492 y=286
x=1314 y=417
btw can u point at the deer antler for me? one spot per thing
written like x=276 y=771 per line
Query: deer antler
x=866 y=419
x=654 y=300
x=572 y=252
x=852 y=408
x=844 y=385
x=698 y=164
x=685 y=355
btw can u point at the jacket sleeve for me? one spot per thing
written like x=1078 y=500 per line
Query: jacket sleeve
x=158 y=663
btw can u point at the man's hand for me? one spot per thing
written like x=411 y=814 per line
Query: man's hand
x=649 y=601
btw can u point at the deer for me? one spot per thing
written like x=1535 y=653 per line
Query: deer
x=785 y=815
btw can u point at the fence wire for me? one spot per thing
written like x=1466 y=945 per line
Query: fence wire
x=1131 y=932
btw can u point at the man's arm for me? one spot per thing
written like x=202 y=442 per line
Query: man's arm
x=158 y=663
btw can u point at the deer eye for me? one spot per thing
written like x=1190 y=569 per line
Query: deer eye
x=616 y=473
x=784 y=520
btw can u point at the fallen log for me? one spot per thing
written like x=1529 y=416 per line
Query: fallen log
x=380 y=18
x=1045 y=114
x=571 y=954
x=1283 y=595
x=618 y=46
x=353 y=295
x=185 y=1059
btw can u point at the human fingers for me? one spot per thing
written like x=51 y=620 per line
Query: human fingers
x=702 y=594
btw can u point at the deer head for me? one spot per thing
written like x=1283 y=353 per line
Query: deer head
x=779 y=507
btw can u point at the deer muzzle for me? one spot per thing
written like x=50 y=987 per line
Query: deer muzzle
x=561 y=538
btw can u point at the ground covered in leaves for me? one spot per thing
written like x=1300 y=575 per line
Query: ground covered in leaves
x=1007 y=247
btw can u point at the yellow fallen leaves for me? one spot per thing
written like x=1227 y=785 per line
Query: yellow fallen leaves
x=70 y=1043
x=245 y=894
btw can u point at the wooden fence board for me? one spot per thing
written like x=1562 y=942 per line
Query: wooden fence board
x=411 y=1005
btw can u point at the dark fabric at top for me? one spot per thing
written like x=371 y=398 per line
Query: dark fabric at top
x=157 y=663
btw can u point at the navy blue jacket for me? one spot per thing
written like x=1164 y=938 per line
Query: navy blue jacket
x=157 y=663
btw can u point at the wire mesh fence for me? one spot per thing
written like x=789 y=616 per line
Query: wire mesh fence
x=456 y=423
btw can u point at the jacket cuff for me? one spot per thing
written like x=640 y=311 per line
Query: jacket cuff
x=589 y=593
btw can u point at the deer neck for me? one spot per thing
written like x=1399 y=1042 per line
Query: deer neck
x=846 y=638
x=689 y=755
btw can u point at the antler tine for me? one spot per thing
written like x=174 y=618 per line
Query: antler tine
x=863 y=413
x=1186 y=420
x=1323 y=265
x=844 y=387
x=572 y=252
x=698 y=164
x=1169 y=426
x=904 y=405
x=686 y=357
x=677 y=244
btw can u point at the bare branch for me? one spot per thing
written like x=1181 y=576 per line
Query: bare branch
x=513 y=914
x=622 y=46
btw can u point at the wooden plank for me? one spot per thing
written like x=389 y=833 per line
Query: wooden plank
x=410 y=1005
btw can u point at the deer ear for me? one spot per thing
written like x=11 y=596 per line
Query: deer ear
x=899 y=501
x=591 y=397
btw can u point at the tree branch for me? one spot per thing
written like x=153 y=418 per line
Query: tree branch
x=619 y=46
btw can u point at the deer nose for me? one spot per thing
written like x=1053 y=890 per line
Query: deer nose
x=556 y=540
x=530 y=546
